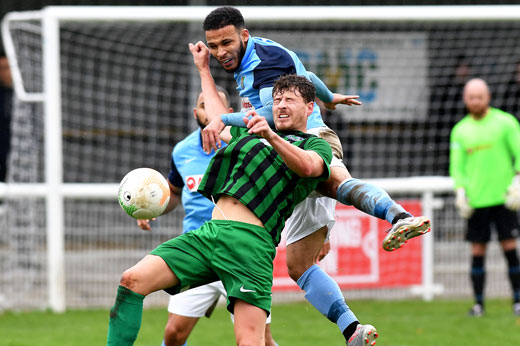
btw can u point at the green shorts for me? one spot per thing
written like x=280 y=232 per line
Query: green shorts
x=239 y=254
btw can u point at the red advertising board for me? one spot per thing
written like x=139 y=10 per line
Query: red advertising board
x=356 y=258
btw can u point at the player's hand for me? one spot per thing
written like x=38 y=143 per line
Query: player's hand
x=258 y=125
x=462 y=204
x=200 y=55
x=325 y=249
x=144 y=225
x=211 y=135
x=513 y=194
x=349 y=100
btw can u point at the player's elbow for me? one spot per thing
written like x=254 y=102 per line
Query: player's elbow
x=308 y=170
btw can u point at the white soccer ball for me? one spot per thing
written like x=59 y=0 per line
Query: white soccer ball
x=144 y=193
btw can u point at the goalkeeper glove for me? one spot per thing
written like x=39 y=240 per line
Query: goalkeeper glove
x=513 y=194
x=461 y=202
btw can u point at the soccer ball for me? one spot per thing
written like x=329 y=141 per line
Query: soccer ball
x=143 y=193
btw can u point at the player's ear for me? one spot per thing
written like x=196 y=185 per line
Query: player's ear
x=230 y=110
x=310 y=107
x=195 y=113
x=244 y=35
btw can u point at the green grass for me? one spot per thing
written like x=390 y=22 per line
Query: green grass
x=400 y=323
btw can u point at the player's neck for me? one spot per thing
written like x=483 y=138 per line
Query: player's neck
x=480 y=116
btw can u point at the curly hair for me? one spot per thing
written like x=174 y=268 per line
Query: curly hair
x=294 y=82
x=223 y=16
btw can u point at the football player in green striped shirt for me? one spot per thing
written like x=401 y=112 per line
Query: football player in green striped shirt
x=255 y=181
x=485 y=167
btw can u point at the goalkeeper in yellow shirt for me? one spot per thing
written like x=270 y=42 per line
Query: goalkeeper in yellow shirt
x=485 y=167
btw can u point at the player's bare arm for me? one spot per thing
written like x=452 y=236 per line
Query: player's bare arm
x=214 y=105
x=330 y=99
x=349 y=100
x=305 y=163
x=175 y=200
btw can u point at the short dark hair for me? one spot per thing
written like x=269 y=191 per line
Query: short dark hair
x=294 y=82
x=223 y=16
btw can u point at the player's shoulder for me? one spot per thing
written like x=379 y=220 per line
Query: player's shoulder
x=271 y=52
x=503 y=115
x=307 y=139
x=193 y=139
x=266 y=42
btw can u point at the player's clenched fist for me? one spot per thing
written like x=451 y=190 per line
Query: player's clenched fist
x=258 y=125
x=200 y=55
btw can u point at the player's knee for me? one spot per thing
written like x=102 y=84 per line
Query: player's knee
x=296 y=269
x=130 y=280
x=173 y=336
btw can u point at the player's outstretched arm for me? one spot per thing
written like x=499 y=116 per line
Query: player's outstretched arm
x=330 y=99
x=305 y=163
x=213 y=103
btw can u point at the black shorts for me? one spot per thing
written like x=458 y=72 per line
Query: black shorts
x=480 y=223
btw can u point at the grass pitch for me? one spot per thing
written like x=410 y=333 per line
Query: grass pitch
x=399 y=323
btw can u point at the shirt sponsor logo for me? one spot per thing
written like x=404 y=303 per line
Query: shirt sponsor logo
x=246 y=105
x=193 y=182
x=293 y=138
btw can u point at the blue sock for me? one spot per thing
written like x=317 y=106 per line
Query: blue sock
x=324 y=294
x=370 y=199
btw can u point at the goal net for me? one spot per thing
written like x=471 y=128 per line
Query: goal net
x=124 y=95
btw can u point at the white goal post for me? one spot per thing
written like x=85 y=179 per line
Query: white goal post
x=54 y=190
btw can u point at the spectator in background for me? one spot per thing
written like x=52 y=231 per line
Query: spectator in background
x=485 y=166
x=6 y=102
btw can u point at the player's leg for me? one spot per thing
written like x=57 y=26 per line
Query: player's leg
x=478 y=234
x=249 y=324
x=369 y=198
x=507 y=227
x=478 y=277
x=320 y=289
x=177 y=329
x=178 y=263
x=269 y=340
x=185 y=310
x=244 y=263
x=147 y=276
x=306 y=231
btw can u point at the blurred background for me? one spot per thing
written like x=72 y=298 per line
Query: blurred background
x=128 y=89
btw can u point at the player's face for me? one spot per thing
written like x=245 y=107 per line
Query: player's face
x=228 y=46
x=290 y=111
x=476 y=98
x=199 y=112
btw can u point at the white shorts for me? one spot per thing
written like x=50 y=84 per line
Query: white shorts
x=308 y=216
x=196 y=301
x=316 y=211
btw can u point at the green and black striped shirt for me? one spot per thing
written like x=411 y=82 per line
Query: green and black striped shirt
x=250 y=170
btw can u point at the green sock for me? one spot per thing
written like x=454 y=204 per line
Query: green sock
x=125 y=317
